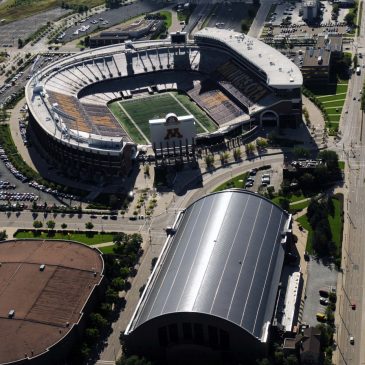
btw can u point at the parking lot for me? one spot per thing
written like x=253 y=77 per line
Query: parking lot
x=319 y=276
x=7 y=91
x=23 y=188
x=264 y=178
x=10 y=33
x=112 y=17
x=295 y=26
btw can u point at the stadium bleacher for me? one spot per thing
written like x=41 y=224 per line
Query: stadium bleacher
x=104 y=120
x=72 y=113
x=218 y=106
x=252 y=90
x=220 y=86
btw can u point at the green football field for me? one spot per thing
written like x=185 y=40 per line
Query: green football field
x=134 y=114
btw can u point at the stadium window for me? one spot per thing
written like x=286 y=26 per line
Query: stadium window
x=224 y=339
x=162 y=336
x=173 y=333
x=213 y=336
x=198 y=333
x=187 y=331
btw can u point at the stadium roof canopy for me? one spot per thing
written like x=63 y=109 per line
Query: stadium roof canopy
x=225 y=260
x=280 y=71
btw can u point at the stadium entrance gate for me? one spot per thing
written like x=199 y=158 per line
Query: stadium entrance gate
x=269 y=118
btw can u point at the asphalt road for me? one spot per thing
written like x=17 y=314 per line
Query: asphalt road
x=352 y=322
x=259 y=21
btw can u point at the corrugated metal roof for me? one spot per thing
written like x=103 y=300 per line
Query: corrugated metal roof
x=225 y=260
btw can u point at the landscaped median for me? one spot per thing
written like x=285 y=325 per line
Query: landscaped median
x=87 y=237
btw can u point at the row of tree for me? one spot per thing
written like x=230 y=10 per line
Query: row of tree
x=119 y=266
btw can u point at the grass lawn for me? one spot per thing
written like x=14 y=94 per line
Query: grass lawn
x=333 y=103
x=93 y=239
x=236 y=182
x=299 y=206
x=332 y=96
x=304 y=222
x=153 y=107
x=337 y=97
x=167 y=18
x=336 y=224
x=334 y=118
x=293 y=198
x=106 y=249
x=18 y=9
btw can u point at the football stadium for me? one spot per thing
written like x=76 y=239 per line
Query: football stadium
x=90 y=111
x=46 y=289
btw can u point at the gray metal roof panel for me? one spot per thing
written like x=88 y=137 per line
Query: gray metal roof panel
x=223 y=260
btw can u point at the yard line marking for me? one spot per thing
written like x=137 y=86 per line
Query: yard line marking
x=135 y=124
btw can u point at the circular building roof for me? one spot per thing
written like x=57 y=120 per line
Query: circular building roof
x=47 y=301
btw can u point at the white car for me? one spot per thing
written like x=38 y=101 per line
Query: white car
x=352 y=340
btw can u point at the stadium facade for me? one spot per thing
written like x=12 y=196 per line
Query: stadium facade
x=47 y=289
x=234 y=78
x=213 y=292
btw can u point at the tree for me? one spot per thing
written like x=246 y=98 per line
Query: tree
x=87 y=41
x=284 y=203
x=112 y=4
x=261 y=143
x=250 y=148
x=264 y=361
x=307 y=181
x=291 y=360
x=51 y=224
x=89 y=225
x=335 y=9
x=300 y=152
x=98 y=321
x=118 y=284
x=209 y=160
x=37 y=224
x=245 y=25
x=350 y=18
x=20 y=43
x=111 y=296
x=63 y=225
x=3 y=235
x=237 y=153
x=92 y=335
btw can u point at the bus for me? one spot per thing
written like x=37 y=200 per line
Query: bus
x=358 y=70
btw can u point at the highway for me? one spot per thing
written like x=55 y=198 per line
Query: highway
x=351 y=322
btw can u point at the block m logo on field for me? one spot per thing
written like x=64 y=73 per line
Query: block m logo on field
x=173 y=133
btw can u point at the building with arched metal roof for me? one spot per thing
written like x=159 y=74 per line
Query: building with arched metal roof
x=213 y=291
